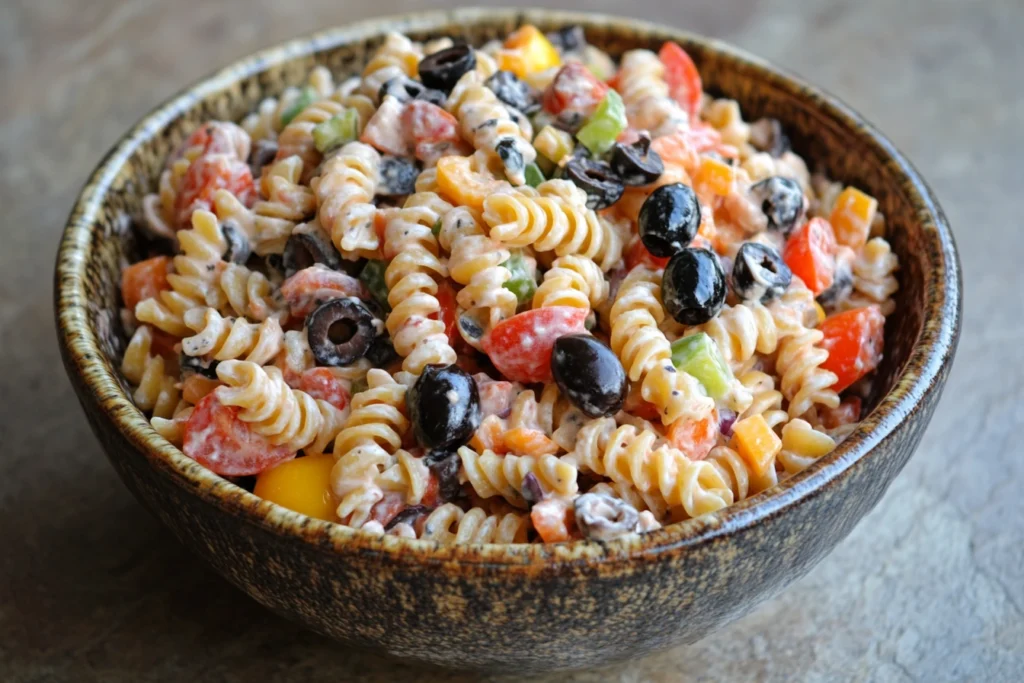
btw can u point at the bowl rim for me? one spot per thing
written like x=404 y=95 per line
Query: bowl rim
x=920 y=376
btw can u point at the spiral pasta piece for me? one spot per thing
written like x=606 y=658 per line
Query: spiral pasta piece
x=449 y=525
x=572 y=281
x=641 y=501
x=551 y=219
x=408 y=475
x=344 y=192
x=156 y=391
x=496 y=475
x=795 y=310
x=737 y=474
x=804 y=383
x=802 y=444
x=645 y=351
x=874 y=281
x=271 y=220
x=227 y=339
x=193 y=282
x=266 y=122
x=396 y=56
x=766 y=400
x=487 y=124
x=284 y=415
x=296 y=139
x=641 y=82
x=249 y=293
x=740 y=331
x=624 y=454
x=412 y=279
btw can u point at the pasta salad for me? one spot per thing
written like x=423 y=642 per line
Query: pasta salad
x=507 y=294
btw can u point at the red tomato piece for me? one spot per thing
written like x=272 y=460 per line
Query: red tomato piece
x=638 y=254
x=575 y=91
x=520 y=346
x=430 y=128
x=312 y=286
x=384 y=130
x=846 y=413
x=810 y=253
x=320 y=383
x=695 y=438
x=682 y=77
x=164 y=344
x=218 y=440
x=554 y=520
x=854 y=342
x=216 y=137
x=449 y=312
x=144 y=280
x=496 y=397
x=387 y=507
x=204 y=177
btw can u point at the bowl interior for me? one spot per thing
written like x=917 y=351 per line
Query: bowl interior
x=100 y=239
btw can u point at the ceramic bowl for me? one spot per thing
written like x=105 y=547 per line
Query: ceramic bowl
x=528 y=607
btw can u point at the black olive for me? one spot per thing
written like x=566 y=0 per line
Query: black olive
x=192 y=365
x=767 y=135
x=570 y=121
x=238 y=250
x=443 y=69
x=340 y=331
x=407 y=516
x=782 y=202
x=693 y=286
x=669 y=219
x=596 y=178
x=602 y=517
x=637 y=164
x=405 y=89
x=444 y=406
x=469 y=328
x=262 y=153
x=381 y=352
x=841 y=287
x=589 y=374
x=532 y=491
x=445 y=466
x=515 y=93
x=508 y=152
x=397 y=176
x=759 y=273
x=303 y=249
x=568 y=39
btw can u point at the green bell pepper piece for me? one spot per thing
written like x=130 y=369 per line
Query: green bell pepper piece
x=605 y=124
x=699 y=355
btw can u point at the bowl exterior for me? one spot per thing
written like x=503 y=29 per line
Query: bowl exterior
x=518 y=609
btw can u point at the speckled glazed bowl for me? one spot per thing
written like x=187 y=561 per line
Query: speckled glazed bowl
x=514 y=608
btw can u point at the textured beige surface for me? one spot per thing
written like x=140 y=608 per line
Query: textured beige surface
x=929 y=587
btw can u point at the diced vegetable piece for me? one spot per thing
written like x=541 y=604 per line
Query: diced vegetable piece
x=431 y=129
x=553 y=144
x=144 y=280
x=695 y=438
x=384 y=131
x=520 y=346
x=194 y=388
x=574 y=92
x=526 y=441
x=215 y=438
x=854 y=342
x=496 y=396
x=305 y=98
x=713 y=178
x=204 y=177
x=810 y=254
x=756 y=443
x=336 y=131
x=534 y=176
x=322 y=384
x=528 y=51
x=522 y=283
x=311 y=286
x=436 y=229
x=819 y=312
x=215 y=137
x=637 y=254
x=699 y=355
x=603 y=128
x=852 y=216
x=554 y=519
x=458 y=182
x=678 y=149
x=490 y=436
x=682 y=77
x=387 y=508
x=847 y=412
x=372 y=276
x=302 y=485
x=449 y=312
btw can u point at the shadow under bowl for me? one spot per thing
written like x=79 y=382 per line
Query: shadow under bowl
x=514 y=608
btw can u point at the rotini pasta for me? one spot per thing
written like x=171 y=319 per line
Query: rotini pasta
x=495 y=475
x=248 y=293
x=646 y=96
x=450 y=525
x=397 y=56
x=156 y=391
x=226 y=339
x=802 y=445
x=804 y=383
x=874 y=281
x=344 y=192
x=296 y=139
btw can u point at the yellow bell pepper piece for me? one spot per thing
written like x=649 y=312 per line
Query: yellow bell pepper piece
x=852 y=216
x=713 y=177
x=553 y=144
x=527 y=51
x=820 y=312
x=756 y=443
x=302 y=485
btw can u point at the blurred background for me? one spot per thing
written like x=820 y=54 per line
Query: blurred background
x=930 y=586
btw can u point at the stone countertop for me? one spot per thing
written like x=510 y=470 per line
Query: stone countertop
x=929 y=587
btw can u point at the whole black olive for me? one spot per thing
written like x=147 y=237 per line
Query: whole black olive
x=238 y=250
x=303 y=249
x=568 y=39
x=340 y=331
x=759 y=273
x=445 y=466
x=669 y=219
x=767 y=135
x=193 y=365
x=397 y=176
x=405 y=89
x=782 y=202
x=693 y=286
x=602 y=517
x=636 y=163
x=444 y=406
x=597 y=179
x=515 y=93
x=443 y=69
x=589 y=374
